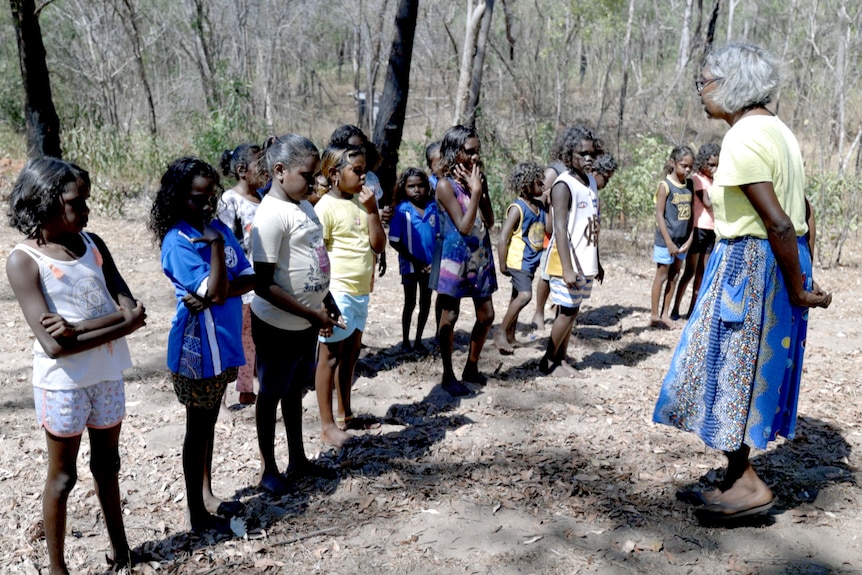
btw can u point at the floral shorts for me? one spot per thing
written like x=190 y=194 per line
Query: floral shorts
x=204 y=393
x=65 y=413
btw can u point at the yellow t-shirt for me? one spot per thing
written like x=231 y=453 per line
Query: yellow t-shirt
x=345 y=235
x=757 y=149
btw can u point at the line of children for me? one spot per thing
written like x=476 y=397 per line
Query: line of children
x=237 y=208
x=673 y=234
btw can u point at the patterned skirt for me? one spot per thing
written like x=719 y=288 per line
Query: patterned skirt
x=734 y=377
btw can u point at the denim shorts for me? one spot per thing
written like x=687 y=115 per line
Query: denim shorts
x=354 y=312
x=65 y=413
x=660 y=255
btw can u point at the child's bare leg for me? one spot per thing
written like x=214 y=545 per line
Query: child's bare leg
x=543 y=291
x=504 y=337
x=561 y=331
x=407 y=315
x=424 y=311
x=698 y=280
x=687 y=275
x=105 y=467
x=62 y=476
x=350 y=349
x=484 y=319
x=670 y=288
x=447 y=314
x=197 y=460
x=661 y=272
x=324 y=382
x=265 y=413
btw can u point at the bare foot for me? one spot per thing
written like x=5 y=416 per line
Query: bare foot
x=335 y=437
x=671 y=324
x=454 y=387
x=503 y=346
x=406 y=347
x=658 y=323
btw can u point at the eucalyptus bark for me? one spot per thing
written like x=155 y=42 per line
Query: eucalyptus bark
x=389 y=127
x=43 y=124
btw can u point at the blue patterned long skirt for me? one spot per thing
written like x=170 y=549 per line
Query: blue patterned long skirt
x=734 y=377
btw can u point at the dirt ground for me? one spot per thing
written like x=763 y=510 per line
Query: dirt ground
x=533 y=474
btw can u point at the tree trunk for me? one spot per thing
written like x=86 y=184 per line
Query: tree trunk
x=478 y=65
x=130 y=21
x=471 y=34
x=626 y=63
x=684 y=40
x=393 y=103
x=43 y=124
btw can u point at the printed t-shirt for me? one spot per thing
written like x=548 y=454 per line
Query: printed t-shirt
x=289 y=235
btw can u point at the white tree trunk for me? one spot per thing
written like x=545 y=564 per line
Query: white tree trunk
x=471 y=34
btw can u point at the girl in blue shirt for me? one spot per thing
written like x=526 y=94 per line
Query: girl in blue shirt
x=209 y=270
x=412 y=233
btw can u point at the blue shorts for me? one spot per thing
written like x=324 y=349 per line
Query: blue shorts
x=354 y=312
x=65 y=413
x=660 y=255
x=564 y=296
x=284 y=357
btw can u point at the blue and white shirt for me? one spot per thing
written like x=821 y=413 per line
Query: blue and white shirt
x=418 y=232
x=205 y=344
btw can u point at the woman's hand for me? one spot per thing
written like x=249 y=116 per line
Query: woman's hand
x=814 y=298
x=136 y=316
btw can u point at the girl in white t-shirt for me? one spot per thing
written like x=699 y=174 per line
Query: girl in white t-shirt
x=79 y=309
x=292 y=304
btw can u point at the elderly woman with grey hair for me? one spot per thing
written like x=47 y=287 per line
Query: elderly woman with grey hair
x=734 y=378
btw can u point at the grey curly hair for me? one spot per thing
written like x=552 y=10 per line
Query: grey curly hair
x=749 y=76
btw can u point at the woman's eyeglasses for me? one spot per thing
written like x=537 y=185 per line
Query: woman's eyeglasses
x=702 y=83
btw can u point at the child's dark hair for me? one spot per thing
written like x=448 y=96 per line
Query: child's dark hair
x=35 y=198
x=242 y=156
x=676 y=155
x=605 y=164
x=574 y=136
x=523 y=177
x=176 y=183
x=705 y=152
x=452 y=143
x=342 y=134
x=430 y=150
x=401 y=186
x=336 y=157
x=290 y=150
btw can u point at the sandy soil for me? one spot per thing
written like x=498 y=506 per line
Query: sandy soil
x=531 y=475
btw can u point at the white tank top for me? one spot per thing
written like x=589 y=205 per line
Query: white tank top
x=77 y=291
